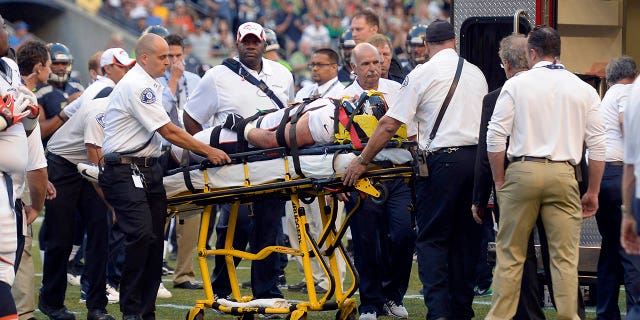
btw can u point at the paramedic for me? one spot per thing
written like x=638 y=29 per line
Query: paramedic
x=132 y=178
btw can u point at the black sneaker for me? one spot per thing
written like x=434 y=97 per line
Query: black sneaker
x=166 y=269
x=282 y=281
x=482 y=292
x=59 y=314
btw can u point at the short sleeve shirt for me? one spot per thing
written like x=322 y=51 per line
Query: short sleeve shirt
x=611 y=107
x=425 y=88
x=89 y=94
x=222 y=91
x=133 y=115
x=85 y=127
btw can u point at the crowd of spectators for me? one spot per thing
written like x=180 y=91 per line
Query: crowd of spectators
x=301 y=25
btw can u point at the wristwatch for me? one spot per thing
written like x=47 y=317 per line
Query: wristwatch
x=625 y=210
x=361 y=160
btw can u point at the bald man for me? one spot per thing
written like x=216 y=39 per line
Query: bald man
x=132 y=177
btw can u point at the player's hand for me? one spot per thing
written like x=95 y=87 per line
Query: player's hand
x=233 y=122
x=7 y=112
x=353 y=172
x=218 y=157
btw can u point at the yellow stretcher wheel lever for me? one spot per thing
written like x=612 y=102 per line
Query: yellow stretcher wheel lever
x=366 y=187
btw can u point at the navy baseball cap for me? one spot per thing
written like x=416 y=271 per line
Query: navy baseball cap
x=439 y=30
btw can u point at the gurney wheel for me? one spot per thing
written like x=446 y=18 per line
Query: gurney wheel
x=353 y=315
x=248 y=316
x=198 y=316
x=297 y=315
x=384 y=194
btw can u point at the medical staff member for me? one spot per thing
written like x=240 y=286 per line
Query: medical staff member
x=132 y=177
x=382 y=234
x=223 y=91
x=448 y=239
x=79 y=140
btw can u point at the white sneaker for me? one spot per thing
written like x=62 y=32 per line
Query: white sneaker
x=368 y=316
x=73 y=279
x=163 y=293
x=396 y=311
x=113 y=296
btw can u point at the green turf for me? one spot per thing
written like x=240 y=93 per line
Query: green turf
x=182 y=300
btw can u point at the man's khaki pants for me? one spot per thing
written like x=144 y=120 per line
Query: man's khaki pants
x=187 y=238
x=532 y=189
x=315 y=227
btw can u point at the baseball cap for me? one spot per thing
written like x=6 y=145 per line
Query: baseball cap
x=439 y=30
x=250 y=28
x=22 y=26
x=116 y=56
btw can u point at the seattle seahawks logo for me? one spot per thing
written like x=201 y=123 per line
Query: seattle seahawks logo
x=147 y=96
x=100 y=119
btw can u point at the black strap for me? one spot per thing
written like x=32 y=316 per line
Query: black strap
x=282 y=142
x=103 y=93
x=235 y=66
x=184 y=166
x=447 y=99
x=295 y=153
x=9 y=183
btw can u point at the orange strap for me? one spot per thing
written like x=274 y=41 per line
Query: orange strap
x=355 y=140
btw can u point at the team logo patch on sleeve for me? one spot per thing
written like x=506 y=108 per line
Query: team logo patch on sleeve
x=100 y=119
x=148 y=96
x=405 y=82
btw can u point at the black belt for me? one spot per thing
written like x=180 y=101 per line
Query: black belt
x=139 y=161
x=537 y=159
x=614 y=164
x=451 y=149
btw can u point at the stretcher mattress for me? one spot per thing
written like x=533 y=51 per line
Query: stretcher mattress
x=266 y=171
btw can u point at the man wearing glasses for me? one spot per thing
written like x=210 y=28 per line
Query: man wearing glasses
x=324 y=72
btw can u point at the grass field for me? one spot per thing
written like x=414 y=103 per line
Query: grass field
x=178 y=306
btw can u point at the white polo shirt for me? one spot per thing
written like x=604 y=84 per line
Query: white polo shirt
x=421 y=95
x=134 y=114
x=330 y=89
x=35 y=160
x=222 y=91
x=611 y=108
x=632 y=132
x=89 y=93
x=547 y=113
x=86 y=127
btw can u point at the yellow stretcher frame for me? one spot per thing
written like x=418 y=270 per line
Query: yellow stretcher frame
x=309 y=247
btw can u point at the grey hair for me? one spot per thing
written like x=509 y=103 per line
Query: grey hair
x=620 y=68
x=513 y=49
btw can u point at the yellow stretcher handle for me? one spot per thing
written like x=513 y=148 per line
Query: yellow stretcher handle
x=365 y=186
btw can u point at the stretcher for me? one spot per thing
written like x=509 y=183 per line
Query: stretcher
x=267 y=174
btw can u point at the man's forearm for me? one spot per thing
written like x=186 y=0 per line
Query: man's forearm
x=596 y=168
x=37 y=180
x=496 y=161
x=628 y=182
x=384 y=131
x=192 y=126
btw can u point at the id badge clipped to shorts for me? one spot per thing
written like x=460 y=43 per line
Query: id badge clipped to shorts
x=423 y=169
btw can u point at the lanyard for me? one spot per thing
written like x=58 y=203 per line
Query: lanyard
x=178 y=90
x=329 y=89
